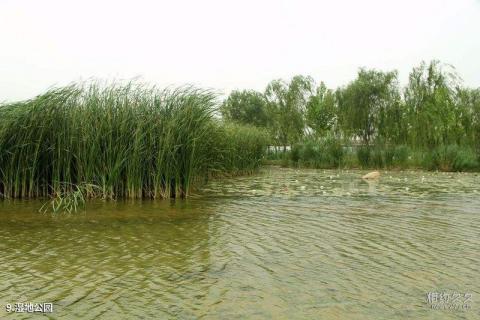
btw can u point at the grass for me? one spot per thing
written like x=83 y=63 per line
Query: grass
x=241 y=148
x=319 y=153
x=130 y=140
x=69 y=198
x=328 y=153
x=451 y=158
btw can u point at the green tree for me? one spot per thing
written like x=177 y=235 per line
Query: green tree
x=364 y=104
x=469 y=107
x=321 y=112
x=430 y=96
x=395 y=128
x=246 y=107
x=286 y=103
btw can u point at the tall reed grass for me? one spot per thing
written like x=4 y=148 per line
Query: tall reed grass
x=130 y=140
x=330 y=153
x=319 y=153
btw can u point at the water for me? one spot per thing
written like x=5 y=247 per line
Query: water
x=283 y=244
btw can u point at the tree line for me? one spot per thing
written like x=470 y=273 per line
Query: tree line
x=434 y=109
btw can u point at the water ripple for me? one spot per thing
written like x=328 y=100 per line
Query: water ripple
x=284 y=244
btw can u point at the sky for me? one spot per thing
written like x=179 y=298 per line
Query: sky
x=227 y=45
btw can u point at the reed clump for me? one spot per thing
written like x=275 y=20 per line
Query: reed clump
x=331 y=153
x=129 y=140
x=240 y=148
x=318 y=153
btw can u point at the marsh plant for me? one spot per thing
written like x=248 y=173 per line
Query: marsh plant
x=70 y=198
x=130 y=140
x=318 y=153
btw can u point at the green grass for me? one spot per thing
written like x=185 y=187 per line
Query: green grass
x=318 y=153
x=68 y=199
x=328 y=153
x=132 y=141
x=451 y=158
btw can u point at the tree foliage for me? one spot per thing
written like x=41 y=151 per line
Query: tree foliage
x=245 y=107
x=433 y=114
x=321 y=112
x=433 y=110
x=286 y=103
x=364 y=105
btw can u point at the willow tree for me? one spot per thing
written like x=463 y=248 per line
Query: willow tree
x=468 y=101
x=245 y=107
x=430 y=96
x=286 y=104
x=365 y=103
x=321 y=112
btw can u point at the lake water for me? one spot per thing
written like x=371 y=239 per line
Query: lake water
x=282 y=244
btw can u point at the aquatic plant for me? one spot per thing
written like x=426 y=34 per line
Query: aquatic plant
x=334 y=148
x=363 y=156
x=69 y=198
x=130 y=140
x=295 y=152
x=330 y=153
x=400 y=156
x=310 y=153
x=236 y=149
x=451 y=158
x=389 y=156
x=318 y=153
x=377 y=158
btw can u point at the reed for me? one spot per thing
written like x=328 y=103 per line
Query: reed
x=68 y=199
x=318 y=153
x=130 y=140
x=329 y=153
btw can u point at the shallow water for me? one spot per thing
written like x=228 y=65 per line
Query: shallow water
x=283 y=244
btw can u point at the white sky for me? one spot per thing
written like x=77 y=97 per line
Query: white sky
x=229 y=45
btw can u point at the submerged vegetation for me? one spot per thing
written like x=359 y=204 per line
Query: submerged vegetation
x=131 y=141
x=432 y=123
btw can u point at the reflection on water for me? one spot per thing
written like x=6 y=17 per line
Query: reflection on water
x=284 y=244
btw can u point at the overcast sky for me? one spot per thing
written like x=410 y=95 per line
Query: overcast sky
x=229 y=45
